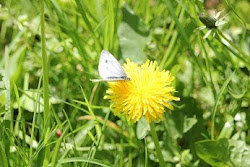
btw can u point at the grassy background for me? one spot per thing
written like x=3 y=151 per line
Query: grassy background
x=209 y=126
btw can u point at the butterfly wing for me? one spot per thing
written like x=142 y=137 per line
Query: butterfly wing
x=109 y=68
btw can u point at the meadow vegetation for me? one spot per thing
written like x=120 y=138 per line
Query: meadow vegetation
x=51 y=114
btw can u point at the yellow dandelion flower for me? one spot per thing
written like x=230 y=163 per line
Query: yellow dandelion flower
x=146 y=94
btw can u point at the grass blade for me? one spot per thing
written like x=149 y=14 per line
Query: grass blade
x=217 y=102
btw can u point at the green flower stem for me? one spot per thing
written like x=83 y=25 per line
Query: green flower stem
x=157 y=145
x=45 y=86
x=45 y=69
x=208 y=68
x=235 y=46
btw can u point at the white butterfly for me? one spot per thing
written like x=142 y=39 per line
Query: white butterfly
x=110 y=69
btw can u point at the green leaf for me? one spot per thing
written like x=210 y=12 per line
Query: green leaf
x=240 y=153
x=224 y=152
x=227 y=130
x=188 y=124
x=133 y=36
x=32 y=100
x=82 y=134
x=186 y=158
x=215 y=153
x=142 y=128
x=178 y=124
x=236 y=92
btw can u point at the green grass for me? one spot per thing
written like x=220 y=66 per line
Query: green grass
x=51 y=114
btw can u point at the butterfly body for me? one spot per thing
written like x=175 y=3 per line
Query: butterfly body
x=110 y=69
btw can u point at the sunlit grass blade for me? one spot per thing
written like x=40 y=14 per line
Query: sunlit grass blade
x=82 y=159
x=3 y=155
x=109 y=27
x=80 y=6
x=45 y=87
x=98 y=129
x=34 y=121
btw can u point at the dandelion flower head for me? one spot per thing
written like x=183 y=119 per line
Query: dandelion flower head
x=146 y=93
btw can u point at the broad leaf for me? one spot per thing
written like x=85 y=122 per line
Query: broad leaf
x=133 y=36
x=240 y=153
x=224 y=152
x=142 y=128
x=188 y=123
x=215 y=153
